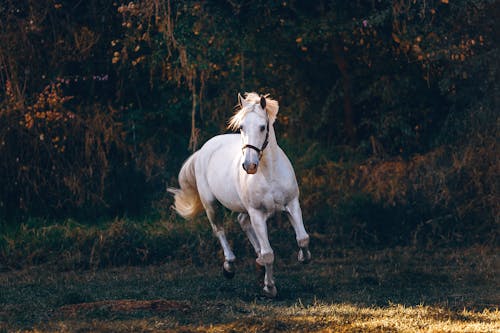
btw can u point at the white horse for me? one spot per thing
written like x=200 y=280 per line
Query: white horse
x=246 y=173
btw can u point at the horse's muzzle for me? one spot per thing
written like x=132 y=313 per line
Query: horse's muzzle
x=249 y=167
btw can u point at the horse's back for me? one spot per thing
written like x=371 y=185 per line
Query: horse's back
x=226 y=141
x=219 y=150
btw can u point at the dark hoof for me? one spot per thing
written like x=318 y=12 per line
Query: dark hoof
x=304 y=256
x=228 y=270
x=270 y=292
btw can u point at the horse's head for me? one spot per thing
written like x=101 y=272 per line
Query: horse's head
x=254 y=131
x=253 y=121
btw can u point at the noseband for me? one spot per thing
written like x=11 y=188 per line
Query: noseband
x=264 y=145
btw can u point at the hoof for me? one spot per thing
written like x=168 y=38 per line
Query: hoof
x=270 y=292
x=228 y=270
x=304 y=255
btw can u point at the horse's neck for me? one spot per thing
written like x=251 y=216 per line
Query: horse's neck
x=270 y=155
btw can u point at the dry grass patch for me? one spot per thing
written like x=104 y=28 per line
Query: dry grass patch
x=316 y=318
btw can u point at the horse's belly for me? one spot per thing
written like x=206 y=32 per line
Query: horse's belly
x=232 y=205
x=222 y=181
x=224 y=190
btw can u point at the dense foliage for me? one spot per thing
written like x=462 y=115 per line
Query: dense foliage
x=388 y=108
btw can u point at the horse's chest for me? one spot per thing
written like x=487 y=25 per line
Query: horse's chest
x=269 y=191
x=271 y=198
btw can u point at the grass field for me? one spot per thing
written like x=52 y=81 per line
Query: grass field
x=392 y=290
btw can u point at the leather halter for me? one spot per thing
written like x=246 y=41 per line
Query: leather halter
x=264 y=145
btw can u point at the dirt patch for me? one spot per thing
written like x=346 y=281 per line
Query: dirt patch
x=126 y=306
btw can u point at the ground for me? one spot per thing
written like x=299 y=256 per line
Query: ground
x=395 y=290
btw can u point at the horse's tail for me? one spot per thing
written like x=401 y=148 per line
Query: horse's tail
x=186 y=199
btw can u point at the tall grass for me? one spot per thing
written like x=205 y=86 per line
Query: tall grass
x=447 y=197
x=71 y=245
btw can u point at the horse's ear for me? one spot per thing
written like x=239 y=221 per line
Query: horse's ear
x=242 y=101
x=263 y=102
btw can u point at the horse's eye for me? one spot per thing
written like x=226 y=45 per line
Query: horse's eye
x=241 y=128
x=262 y=128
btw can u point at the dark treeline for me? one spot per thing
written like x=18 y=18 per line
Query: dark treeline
x=388 y=108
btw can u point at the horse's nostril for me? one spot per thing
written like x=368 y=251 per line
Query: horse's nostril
x=250 y=168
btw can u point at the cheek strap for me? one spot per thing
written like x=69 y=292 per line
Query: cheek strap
x=264 y=145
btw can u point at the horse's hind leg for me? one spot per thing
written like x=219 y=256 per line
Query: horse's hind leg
x=246 y=225
x=215 y=216
x=295 y=216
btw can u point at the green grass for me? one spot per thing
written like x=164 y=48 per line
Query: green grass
x=165 y=275
x=399 y=289
x=71 y=245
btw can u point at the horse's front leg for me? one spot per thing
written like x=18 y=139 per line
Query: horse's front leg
x=265 y=258
x=295 y=216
